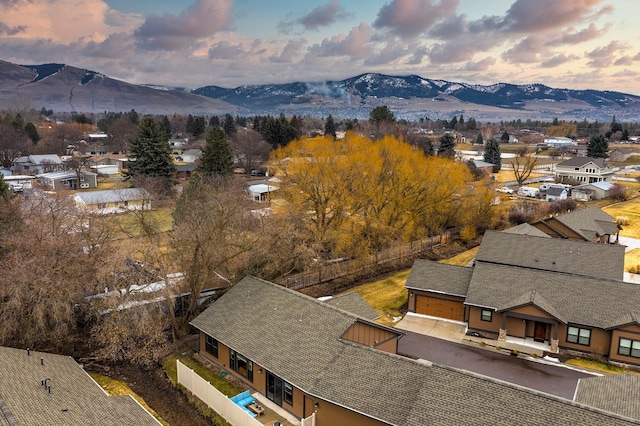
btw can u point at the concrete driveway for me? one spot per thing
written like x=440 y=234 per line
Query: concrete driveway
x=453 y=331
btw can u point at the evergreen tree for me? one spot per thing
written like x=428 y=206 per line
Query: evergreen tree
x=4 y=188
x=189 y=125
x=453 y=123
x=151 y=150
x=229 y=125
x=214 y=121
x=479 y=139
x=31 y=131
x=447 y=146
x=505 y=137
x=166 y=124
x=381 y=114
x=492 y=154
x=615 y=126
x=134 y=117
x=217 y=159
x=198 y=127
x=330 y=126
x=598 y=147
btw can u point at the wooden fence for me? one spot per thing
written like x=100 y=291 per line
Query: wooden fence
x=332 y=270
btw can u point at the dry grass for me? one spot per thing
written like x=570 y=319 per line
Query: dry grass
x=462 y=259
x=596 y=366
x=117 y=387
x=631 y=210
x=508 y=176
x=387 y=296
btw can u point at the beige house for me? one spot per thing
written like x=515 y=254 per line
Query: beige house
x=114 y=200
x=584 y=170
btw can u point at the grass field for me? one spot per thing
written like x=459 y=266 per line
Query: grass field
x=387 y=296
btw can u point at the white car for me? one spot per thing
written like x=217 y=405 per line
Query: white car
x=505 y=190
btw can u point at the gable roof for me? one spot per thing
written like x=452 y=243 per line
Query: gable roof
x=75 y=398
x=111 y=195
x=526 y=229
x=589 y=222
x=617 y=393
x=494 y=285
x=532 y=298
x=553 y=254
x=556 y=190
x=297 y=338
x=439 y=277
x=354 y=303
x=582 y=161
x=45 y=158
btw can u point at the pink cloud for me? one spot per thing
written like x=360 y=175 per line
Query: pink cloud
x=409 y=18
x=169 y=32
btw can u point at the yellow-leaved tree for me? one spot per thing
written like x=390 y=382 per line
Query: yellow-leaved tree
x=355 y=196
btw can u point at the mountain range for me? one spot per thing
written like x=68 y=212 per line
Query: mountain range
x=66 y=88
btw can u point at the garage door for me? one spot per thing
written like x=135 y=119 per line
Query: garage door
x=440 y=308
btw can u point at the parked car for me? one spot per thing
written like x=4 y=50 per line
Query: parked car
x=16 y=187
x=505 y=190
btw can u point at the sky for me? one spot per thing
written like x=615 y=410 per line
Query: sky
x=575 y=44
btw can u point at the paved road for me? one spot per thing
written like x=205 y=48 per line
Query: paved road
x=558 y=381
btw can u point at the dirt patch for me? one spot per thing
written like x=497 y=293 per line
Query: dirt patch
x=154 y=387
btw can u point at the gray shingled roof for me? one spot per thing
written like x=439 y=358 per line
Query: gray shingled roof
x=534 y=298
x=581 y=161
x=589 y=222
x=75 y=399
x=617 y=393
x=439 y=277
x=553 y=254
x=526 y=229
x=298 y=338
x=354 y=303
x=578 y=299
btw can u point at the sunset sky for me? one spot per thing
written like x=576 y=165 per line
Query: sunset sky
x=575 y=44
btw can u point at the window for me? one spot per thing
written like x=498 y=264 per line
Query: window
x=581 y=336
x=628 y=347
x=486 y=315
x=211 y=345
x=240 y=364
x=288 y=393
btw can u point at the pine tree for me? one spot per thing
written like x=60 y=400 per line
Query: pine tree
x=505 y=137
x=217 y=159
x=598 y=147
x=330 y=126
x=447 y=146
x=492 y=154
x=166 y=124
x=479 y=139
x=229 y=125
x=151 y=150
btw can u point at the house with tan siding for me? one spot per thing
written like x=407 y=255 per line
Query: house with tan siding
x=314 y=357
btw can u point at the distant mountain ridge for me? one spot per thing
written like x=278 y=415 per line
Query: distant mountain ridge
x=418 y=92
x=66 y=88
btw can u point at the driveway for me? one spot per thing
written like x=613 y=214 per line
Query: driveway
x=557 y=380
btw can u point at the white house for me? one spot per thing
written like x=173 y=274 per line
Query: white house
x=261 y=192
x=584 y=170
x=592 y=191
x=36 y=164
x=68 y=179
x=559 y=141
x=114 y=200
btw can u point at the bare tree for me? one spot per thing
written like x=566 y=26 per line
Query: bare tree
x=523 y=166
x=13 y=144
x=250 y=149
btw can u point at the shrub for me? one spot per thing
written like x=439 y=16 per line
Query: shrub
x=622 y=220
x=618 y=193
x=561 y=206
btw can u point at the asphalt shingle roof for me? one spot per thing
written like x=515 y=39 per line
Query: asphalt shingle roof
x=553 y=254
x=75 y=399
x=526 y=229
x=298 y=338
x=579 y=299
x=581 y=161
x=112 y=195
x=617 y=393
x=439 y=277
x=589 y=222
x=354 y=303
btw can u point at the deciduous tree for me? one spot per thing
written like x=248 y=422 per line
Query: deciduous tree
x=523 y=165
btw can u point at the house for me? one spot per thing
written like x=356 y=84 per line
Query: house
x=106 y=169
x=566 y=293
x=114 y=200
x=39 y=388
x=584 y=170
x=68 y=179
x=587 y=224
x=37 y=164
x=310 y=357
x=261 y=192
x=556 y=193
x=486 y=168
x=190 y=156
x=185 y=170
x=620 y=155
x=592 y=191
x=559 y=142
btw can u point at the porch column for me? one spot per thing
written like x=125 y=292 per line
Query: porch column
x=502 y=337
x=554 y=340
